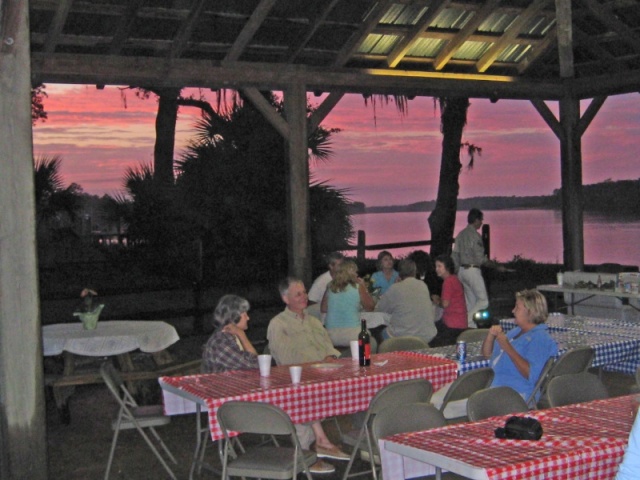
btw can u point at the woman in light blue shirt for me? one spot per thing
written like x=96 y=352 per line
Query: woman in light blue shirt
x=345 y=297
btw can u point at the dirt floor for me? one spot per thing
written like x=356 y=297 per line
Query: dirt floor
x=79 y=450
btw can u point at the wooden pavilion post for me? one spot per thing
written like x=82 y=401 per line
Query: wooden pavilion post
x=571 y=178
x=295 y=105
x=22 y=412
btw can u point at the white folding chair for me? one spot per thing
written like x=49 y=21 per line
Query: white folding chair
x=132 y=416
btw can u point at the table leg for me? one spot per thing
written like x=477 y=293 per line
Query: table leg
x=126 y=365
x=201 y=445
x=61 y=394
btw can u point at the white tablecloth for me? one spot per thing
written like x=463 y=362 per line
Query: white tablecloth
x=109 y=338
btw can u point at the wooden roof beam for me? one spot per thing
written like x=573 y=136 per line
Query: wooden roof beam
x=604 y=15
x=249 y=30
x=565 y=40
x=295 y=51
x=366 y=27
x=405 y=43
x=594 y=47
x=186 y=29
x=536 y=51
x=319 y=114
x=510 y=34
x=55 y=29
x=183 y=72
x=465 y=32
x=123 y=30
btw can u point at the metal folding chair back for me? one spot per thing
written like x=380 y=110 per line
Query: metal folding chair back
x=467 y=384
x=573 y=361
x=132 y=416
x=262 y=461
x=395 y=394
x=575 y=388
x=396 y=344
x=406 y=418
x=541 y=383
x=473 y=335
x=492 y=402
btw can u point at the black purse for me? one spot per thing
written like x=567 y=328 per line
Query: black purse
x=520 y=428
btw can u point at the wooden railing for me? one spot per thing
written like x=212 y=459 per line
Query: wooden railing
x=361 y=247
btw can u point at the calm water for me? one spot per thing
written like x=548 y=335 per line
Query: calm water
x=533 y=234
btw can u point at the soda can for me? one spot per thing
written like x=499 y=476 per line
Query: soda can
x=461 y=350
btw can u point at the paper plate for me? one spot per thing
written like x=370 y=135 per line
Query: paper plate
x=326 y=365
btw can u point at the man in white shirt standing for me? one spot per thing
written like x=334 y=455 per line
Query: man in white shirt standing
x=469 y=256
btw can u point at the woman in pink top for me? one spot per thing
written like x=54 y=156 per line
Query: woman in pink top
x=454 y=316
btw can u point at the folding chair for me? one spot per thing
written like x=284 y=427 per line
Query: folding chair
x=395 y=344
x=132 y=416
x=472 y=335
x=541 y=382
x=573 y=361
x=465 y=385
x=413 y=417
x=278 y=462
x=575 y=388
x=399 y=393
x=492 y=402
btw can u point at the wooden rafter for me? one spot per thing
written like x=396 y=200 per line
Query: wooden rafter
x=536 y=51
x=251 y=27
x=512 y=32
x=405 y=43
x=123 y=30
x=186 y=29
x=55 y=30
x=318 y=21
x=471 y=26
x=604 y=15
x=586 y=41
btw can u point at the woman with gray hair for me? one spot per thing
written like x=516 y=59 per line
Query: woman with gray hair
x=228 y=348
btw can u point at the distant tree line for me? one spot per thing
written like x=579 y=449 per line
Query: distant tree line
x=620 y=197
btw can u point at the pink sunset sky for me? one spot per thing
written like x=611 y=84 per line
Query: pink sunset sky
x=392 y=160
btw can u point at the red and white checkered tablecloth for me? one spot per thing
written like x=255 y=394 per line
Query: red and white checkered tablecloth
x=321 y=393
x=580 y=441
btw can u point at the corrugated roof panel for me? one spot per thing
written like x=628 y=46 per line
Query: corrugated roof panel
x=410 y=14
x=513 y=53
x=426 y=48
x=391 y=16
x=378 y=44
x=451 y=18
x=471 y=50
x=497 y=22
x=538 y=26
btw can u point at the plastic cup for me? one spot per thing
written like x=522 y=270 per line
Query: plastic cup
x=264 y=361
x=355 y=351
x=560 y=278
x=296 y=374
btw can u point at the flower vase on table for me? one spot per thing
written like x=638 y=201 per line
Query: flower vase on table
x=89 y=314
x=90 y=319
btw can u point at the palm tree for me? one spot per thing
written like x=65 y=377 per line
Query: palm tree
x=233 y=176
x=55 y=203
x=453 y=118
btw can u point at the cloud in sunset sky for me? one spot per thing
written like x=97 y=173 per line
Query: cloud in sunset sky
x=389 y=159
